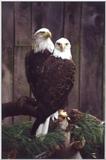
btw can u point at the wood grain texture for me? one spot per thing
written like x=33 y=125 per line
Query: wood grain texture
x=7 y=77
x=7 y=54
x=7 y=74
x=92 y=54
x=21 y=87
x=37 y=16
x=7 y=24
x=23 y=22
x=50 y=15
x=54 y=18
x=72 y=23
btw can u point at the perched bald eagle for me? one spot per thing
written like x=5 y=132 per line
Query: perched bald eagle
x=43 y=48
x=55 y=82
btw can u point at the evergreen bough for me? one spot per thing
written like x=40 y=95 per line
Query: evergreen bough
x=93 y=132
x=17 y=137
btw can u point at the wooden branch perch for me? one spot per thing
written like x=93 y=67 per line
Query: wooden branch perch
x=23 y=106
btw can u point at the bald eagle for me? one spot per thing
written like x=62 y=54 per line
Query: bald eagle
x=55 y=82
x=43 y=48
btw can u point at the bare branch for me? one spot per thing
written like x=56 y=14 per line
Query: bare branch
x=23 y=106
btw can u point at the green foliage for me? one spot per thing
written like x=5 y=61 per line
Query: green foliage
x=93 y=132
x=17 y=137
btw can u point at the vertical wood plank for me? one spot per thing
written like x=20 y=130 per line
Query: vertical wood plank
x=21 y=87
x=7 y=74
x=23 y=37
x=7 y=54
x=54 y=18
x=37 y=14
x=7 y=79
x=72 y=16
x=49 y=15
x=92 y=55
x=23 y=24
x=7 y=24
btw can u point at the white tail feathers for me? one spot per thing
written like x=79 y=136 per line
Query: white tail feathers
x=44 y=127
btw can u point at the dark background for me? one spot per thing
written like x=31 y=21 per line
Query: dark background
x=81 y=22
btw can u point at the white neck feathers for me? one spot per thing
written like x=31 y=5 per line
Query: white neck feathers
x=41 y=45
x=63 y=55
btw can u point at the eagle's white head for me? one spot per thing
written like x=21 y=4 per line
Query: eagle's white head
x=63 y=49
x=42 y=40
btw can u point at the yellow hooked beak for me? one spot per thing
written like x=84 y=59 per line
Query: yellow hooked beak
x=47 y=34
x=62 y=47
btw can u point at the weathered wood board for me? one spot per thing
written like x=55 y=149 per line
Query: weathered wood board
x=72 y=28
x=21 y=87
x=91 y=58
x=81 y=22
x=23 y=24
x=7 y=53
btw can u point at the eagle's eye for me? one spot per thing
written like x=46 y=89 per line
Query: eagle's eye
x=58 y=43
x=42 y=32
x=66 y=44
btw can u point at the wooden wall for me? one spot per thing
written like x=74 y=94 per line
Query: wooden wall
x=81 y=22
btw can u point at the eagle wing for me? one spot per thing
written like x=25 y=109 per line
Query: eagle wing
x=33 y=66
x=28 y=66
x=55 y=82
x=30 y=69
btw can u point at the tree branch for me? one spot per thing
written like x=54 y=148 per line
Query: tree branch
x=23 y=106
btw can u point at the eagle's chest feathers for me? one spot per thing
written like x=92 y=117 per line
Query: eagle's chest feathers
x=37 y=61
x=41 y=45
x=63 y=55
